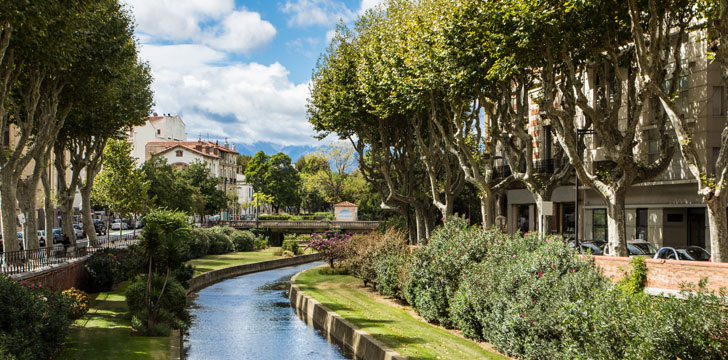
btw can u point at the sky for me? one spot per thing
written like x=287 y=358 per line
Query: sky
x=239 y=69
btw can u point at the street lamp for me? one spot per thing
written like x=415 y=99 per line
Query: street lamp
x=579 y=132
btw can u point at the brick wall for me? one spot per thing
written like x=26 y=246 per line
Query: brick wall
x=62 y=277
x=667 y=274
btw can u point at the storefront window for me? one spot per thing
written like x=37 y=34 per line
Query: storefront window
x=523 y=219
x=568 y=220
x=641 y=222
x=599 y=225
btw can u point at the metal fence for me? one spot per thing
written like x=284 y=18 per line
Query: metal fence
x=16 y=262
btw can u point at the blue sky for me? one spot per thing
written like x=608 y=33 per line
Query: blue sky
x=239 y=69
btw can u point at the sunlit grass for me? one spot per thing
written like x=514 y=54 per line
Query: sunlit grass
x=386 y=321
x=214 y=262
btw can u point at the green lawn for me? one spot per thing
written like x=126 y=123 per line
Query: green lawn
x=105 y=333
x=387 y=322
x=213 y=262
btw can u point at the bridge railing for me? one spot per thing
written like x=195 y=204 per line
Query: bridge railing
x=304 y=224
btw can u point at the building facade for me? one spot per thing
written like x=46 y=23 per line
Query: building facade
x=157 y=128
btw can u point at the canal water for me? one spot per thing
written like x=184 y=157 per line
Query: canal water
x=250 y=317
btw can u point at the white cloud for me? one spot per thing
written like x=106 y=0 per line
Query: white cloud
x=368 y=4
x=179 y=21
x=317 y=12
x=176 y=19
x=330 y=35
x=246 y=102
x=240 y=31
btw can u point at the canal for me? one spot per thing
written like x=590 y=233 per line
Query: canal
x=250 y=317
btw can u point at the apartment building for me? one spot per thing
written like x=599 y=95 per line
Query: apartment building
x=665 y=211
x=165 y=127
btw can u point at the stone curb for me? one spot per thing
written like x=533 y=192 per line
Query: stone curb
x=339 y=330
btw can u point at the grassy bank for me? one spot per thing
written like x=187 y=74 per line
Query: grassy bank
x=105 y=333
x=386 y=321
x=214 y=262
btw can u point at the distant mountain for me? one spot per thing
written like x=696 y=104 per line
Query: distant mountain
x=294 y=151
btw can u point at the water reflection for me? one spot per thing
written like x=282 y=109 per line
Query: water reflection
x=249 y=317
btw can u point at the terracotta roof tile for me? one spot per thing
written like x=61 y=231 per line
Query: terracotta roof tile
x=346 y=204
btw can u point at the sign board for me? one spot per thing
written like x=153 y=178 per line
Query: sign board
x=547 y=207
x=21 y=219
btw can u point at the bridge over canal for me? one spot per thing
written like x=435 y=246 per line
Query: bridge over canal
x=279 y=227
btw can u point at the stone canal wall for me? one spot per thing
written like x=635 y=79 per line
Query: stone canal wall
x=338 y=330
x=211 y=277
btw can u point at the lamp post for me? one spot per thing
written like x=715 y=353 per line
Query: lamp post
x=579 y=132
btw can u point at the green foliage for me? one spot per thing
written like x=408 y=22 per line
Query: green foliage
x=219 y=243
x=108 y=267
x=197 y=244
x=34 y=321
x=120 y=185
x=362 y=251
x=261 y=243
x=291 y=246
x=167 y=188
x=171 y=306
x=208 y=197
x=636 y=279
x=389 y=270
x=243 y=240
x=225 y=230
x=275 y=176
x=435 y=269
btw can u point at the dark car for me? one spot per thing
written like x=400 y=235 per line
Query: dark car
x=99 y=227
x=58 y=236
x=692 y=253
x=588 y=247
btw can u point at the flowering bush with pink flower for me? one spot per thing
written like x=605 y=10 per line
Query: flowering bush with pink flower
x=330 y=243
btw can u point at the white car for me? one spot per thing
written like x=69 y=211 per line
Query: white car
x=119 y=225
x=80 y=234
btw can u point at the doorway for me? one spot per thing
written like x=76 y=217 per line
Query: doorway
x=696 y=227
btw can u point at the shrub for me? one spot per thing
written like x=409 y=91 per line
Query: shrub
x=636 y=279
x=516 y=298
x=261 y=243
x=278 y=252
x=389 y=273
x=108 y=267
x=435 y=269
x=225 y=230
x=291 y=246
x=362 y=251
x=219 y=243
x=102 y=270
x=197 y=244
x=171 y=309
x=78 y=302
x=287 y=253
x=243 y=240
x=33 y=321
x=330 y=243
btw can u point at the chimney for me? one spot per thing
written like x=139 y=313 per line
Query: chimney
x=155 y=115
x=227 y=145
x=198 y=146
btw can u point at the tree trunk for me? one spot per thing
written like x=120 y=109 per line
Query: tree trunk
x=616 y=225
x=420 y=221
x=88 y=221
x=544 y=221
x=26 y=203
x=718 y=223
x=8 y=202
x=48 y=208
x=486 y=210
x=67 y=219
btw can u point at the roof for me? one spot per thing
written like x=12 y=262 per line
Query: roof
x=191 y=145
x=186 y=147
x=346 y=204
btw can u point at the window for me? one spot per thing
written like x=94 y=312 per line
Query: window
x=641 y=223
x=159 y=131
x=717 y=101
x=599 y=225
x=568 y=220
x=178 y=153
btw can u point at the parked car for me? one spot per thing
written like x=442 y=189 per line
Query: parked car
x=99 y=227
x=646 y=247
x=79 y=231
x=588 y=246
x=41 y=238
x=692 y=253
x=58 y=236
x=632 y=250
x=119 y=225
